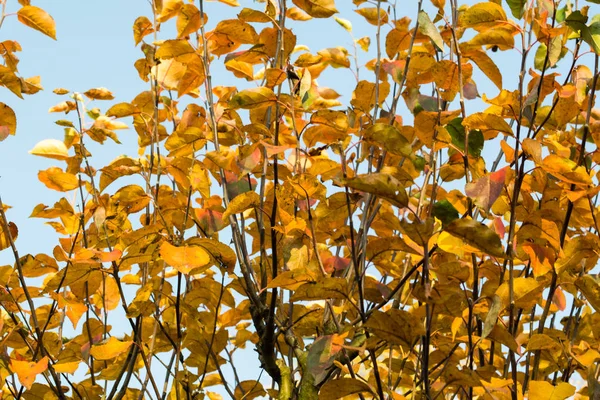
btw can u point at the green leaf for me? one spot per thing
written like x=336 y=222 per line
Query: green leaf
x=591 y=35
x=427 y=28
x=445 y=212
x=517 y=7
x=457 y=132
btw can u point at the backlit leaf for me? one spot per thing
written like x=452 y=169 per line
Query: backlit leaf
x=184 y=258
x=51 y=148
x=544 y=390
x=28 y=371
x=188 y=20
x=486 y=190
x=5 y=240
x=111 y=349
x=241 y=203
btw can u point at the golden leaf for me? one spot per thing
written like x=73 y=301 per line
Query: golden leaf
x=38 y=19
x=27 y=371
x=112 y=348
x=184 y=258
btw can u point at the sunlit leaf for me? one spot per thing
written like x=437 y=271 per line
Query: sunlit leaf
x=111 y=349
x=253 y=98
x=38 y=19
x=5 y=239
x=51 y=148
x=8 y=121
x=55 y=178
x=27 y=371
x=373 y=15
x=544 y=390
x=317 y=8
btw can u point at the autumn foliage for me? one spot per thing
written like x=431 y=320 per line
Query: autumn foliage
x=435 y=237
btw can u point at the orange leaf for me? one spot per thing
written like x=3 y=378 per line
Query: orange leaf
x=55 y=178
x=27 y=371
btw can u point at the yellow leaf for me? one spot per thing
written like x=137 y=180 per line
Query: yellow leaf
x=112 y=348
x=8 y=121
x=38 y=19
x=364 y=43
x=241 y=203
x=482 y=16
x=66 y=367
x=55 y=178
x=50 y=148
x=173 y=48
x=184 y=258
x=542 y=390
x=566 y=170
x=527 y=291
x=317 y=8
x=232 y=3
x=344 y=23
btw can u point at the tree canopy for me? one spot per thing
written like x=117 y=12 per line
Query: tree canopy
x=433 y=236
